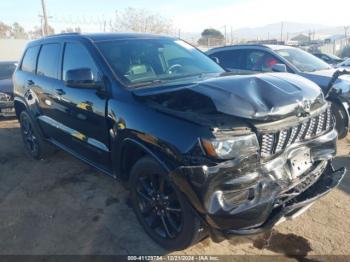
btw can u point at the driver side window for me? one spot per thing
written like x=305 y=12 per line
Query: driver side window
x=76 y=56
x=260 y=61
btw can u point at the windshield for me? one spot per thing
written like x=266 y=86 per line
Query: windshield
x=6 y=70
x=142 y=62
x=302 y=60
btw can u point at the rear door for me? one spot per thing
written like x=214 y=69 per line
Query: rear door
x=45 y=84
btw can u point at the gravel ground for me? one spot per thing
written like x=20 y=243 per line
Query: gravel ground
x=62 y=206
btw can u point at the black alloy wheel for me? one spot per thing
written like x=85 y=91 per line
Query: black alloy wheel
x=159 y=206
x=162 y=209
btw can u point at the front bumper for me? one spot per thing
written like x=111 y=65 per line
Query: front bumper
x=261 y=194
x=7 y=108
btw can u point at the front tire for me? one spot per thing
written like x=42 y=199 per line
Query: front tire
x=161 y=208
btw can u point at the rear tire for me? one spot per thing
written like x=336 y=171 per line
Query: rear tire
x=340 y=117
x=35 y=145
x=161 y=208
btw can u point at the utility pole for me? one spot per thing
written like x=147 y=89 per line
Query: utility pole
x=179 y=33
x=281 y=31
x=231 y=35
x=346 y=28
x=46 y=24
x=225 y=35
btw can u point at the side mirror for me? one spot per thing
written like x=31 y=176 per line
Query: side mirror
x=81 y=78
x=282 y=68
x=215 y=59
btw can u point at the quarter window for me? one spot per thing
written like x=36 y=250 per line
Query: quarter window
x=49 y=60
x=29 y=59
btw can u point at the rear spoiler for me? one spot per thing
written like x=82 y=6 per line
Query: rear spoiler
x=334 y=78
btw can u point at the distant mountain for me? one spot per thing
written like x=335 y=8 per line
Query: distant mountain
x=274 y=30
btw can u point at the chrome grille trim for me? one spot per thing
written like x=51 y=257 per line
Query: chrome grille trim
x=275 y=142
x=267 y=144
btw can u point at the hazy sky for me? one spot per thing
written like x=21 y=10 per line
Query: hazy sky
x=188 y=15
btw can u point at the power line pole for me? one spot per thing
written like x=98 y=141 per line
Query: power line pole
x=281 y=31
x=225 y=35
x=46 y=24
x=346 y=28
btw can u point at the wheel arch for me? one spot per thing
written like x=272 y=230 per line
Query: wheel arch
x=19 y=106
x=344 y=105
x=132 y=149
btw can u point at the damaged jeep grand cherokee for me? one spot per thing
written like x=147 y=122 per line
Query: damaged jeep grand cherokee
x=202 y=152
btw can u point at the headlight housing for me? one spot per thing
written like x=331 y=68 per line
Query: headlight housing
x=229 y=147
x=5 y=97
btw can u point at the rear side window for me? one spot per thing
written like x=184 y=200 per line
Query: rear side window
x=76 y=56
x=229 y=59
x=48 y=62
x=29 y=59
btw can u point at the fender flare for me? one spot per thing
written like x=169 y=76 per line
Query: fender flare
x=118 y=148
x=343 y=104
x=27 y=108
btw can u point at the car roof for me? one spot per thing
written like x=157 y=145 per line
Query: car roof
x=99 y=37
x=272 y=47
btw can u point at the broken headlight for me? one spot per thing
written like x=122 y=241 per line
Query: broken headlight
x=4 y=97
x=232 y=146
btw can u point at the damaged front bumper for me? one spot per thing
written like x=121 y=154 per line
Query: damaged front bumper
x=247 y=196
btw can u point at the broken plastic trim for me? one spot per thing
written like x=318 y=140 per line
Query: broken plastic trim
x=262 y=181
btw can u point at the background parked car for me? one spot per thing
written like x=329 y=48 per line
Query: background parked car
x=6 y=88
x=329 y=58
x=248 y=59
x=345 y=64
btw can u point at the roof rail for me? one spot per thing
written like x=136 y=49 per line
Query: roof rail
x=64 y=34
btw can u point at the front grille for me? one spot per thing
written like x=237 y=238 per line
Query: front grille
x=272 y=143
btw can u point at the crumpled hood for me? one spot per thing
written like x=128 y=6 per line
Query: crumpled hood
x=269 y=96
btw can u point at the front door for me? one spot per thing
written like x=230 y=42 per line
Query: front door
x=82 y=111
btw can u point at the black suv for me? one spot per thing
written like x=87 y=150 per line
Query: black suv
x=247 y=59
x=201 y=152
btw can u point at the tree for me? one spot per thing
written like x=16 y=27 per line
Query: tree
x=71 y=30
x=18 y=32
x=37 y=32
x=5 y=30
x=211 y=37
x=140 y=20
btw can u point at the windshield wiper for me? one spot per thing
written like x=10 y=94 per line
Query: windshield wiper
x=166 y=80
x=200 y=75
x=147 y=83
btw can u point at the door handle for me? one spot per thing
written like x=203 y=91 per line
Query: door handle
x=30 y=83
x=60 y=92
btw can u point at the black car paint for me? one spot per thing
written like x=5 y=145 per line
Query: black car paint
x=100 y=126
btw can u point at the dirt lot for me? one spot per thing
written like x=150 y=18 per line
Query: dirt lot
x=62 y=206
